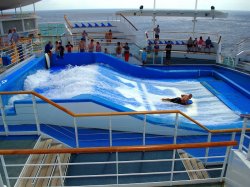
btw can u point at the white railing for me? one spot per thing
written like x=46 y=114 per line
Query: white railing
x=117 y=163
x=109 y=121
x=244 y=145
x=16 y=53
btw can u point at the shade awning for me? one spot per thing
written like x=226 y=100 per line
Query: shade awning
x=9 y=4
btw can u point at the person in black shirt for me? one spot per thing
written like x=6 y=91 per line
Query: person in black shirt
x=168 y=52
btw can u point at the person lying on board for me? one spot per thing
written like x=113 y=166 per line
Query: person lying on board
x=183 y=100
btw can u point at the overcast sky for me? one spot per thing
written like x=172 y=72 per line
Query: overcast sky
x=148 y=4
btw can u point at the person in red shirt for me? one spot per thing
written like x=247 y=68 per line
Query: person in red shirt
x=69 y=47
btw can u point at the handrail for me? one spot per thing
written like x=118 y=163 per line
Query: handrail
x=118 y=148
x=129 y=22
x=119 y=113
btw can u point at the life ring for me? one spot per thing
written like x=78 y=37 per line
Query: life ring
x=47 y=60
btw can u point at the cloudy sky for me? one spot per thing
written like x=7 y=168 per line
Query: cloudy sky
x=160 y=4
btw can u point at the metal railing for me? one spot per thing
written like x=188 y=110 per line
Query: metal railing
x=76 y=120
x=244 y=145
x=119 y=162
x=16 y=53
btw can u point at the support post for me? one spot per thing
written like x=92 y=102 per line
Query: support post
x=110 y=132
x=34 y=105
x=60 y=168
x=176 y=127
x=76 y=133
x=225 y=163
x=144 y=129
x=5 y=171
x=207 y=149
x=172 y=168
x=243 y=133
x=6 y=129
x=117 y=167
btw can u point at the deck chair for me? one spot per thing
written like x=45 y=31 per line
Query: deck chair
x=160 y=42
x=109 y=25
x=89 y=25
x=83 y=25
x=103 y=25
x=96 y=25
x=76 y=26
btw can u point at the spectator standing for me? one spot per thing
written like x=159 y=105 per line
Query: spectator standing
x=10 y=40
x=69 y=47
x=98 y=47
x=106 y=51
x=15 y=36
x=82 y=45
x=48 y=48
x=84 y=35
x=168 y=52
x=61 y=50
x=157 y=32
x=126 y=52
x=118 y=50
x=91 y=46
x=189 y=44
x=144 y=56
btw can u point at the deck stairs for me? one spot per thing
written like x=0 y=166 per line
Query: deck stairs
x=190 y=164
x=43 y=171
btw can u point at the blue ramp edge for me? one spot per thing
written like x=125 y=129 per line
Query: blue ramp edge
x=236 y=101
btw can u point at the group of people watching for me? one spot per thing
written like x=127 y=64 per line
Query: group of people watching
x=118 y=51
x=13 y=36
x=197 y=45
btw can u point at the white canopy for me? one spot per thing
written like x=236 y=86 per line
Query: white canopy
x=175 y=13
x=9 y=4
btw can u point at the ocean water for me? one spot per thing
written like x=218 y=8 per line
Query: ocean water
x=233 y=29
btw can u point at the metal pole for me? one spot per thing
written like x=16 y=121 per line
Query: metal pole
x=60 y=168
x=36 y=115
x=225 y=163
x=207 y=149
x=243 y=133
x=153 y=18
x=144 y=129
x=34 y=7
x=248 y=153
x=6 y=130
x=110 y=132
x=195 y=20
x=76 y=132
x=176 y=127
x=1 y=181
x=117 y=168
x=5 y=171
x=172 y=168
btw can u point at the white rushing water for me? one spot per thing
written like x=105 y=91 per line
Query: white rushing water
x=134 y=93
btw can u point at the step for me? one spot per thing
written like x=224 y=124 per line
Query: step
x=194 y=164
x=64 y=158
x=30 y=171
x=46 y=171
